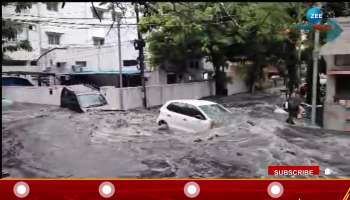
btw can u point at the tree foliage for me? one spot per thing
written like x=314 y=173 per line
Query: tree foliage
x=221 y=32
x=10 y=30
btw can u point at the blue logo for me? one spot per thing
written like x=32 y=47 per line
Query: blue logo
x=314 y=15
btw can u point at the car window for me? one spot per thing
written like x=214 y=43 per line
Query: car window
x=214 y=111
x=192 y=111
x=175 y=107
x=91 y=100
x=184 y=109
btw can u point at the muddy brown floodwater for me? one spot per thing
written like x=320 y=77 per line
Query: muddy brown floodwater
x=51 y=142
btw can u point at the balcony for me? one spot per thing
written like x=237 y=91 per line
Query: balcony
x=339 y=71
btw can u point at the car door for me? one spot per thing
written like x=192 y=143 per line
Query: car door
x=173 y=116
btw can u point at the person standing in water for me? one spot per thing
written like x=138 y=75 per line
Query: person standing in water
x=294 y=102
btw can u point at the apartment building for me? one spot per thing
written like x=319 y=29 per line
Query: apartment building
x=70 y=38
x=337 y=57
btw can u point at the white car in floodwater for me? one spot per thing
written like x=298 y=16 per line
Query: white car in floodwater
x=192 y=115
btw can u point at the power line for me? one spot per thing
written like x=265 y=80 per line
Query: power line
x=82 y=26
x=81 y=55
x=124 y=24
x=84 y=18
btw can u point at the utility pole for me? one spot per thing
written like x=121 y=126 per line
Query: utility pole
x=140 y=45
x=299 y=56
x=315 y=73
x=314 y=76
x=120 y=66
x=98 y=58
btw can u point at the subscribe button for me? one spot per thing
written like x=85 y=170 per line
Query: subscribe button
x=294 y=170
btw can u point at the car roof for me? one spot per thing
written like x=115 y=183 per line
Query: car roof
x=194 y=102
x=81 y=89
x=7 y=78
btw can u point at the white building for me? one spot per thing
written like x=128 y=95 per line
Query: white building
x=71 y=36
x=337 y=56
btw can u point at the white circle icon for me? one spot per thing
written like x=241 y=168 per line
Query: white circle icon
x=327 y=171
x=275 y=189
x=106 y=189
x=21 y=189
x=191 y=189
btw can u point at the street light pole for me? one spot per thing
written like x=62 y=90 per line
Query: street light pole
x=120 y=66
x=314 y=77
x=315 y=72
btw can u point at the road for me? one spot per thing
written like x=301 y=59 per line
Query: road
x=51 y=142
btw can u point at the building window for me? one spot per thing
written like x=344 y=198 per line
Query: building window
x=98 y=41
x=54 y=38
x=342 y=87
x=52 y=6
x=171 y=78
x=205 y=75
x=32 y=27
x=14 y=62
x=342 y=60
x=33 y=63
x=194 y=64
x=80 y=63
x=61 y=64
x=99 y=11
x=130 y=63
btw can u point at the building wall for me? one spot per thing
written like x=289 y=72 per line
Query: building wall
x=35 y=94
x=336 y=112
x=132 y=96
x=157 y=94
x=336 y=116
x=330 y=86
x=77 y=27
x=156 y=77
x=236 y=83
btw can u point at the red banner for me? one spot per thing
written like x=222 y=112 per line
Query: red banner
x=176 y=189
x=294 y=170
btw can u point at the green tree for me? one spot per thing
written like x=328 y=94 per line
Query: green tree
x=220 y=31
x=10 y=29
x=336 y=9
x=189 y=30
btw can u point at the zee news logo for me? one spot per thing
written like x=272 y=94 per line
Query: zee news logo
x=316 y=16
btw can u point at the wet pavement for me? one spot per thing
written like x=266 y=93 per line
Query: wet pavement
x=51 y=142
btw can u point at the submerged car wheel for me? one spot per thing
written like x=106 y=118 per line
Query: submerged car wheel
x=163 y=125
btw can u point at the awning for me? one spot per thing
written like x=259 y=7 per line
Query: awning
x=131 y=70
x=339 y=71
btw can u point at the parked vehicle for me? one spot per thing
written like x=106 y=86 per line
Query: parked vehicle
x=6 y=102
x=82 y=98
x=15 y=81
x=192 y=115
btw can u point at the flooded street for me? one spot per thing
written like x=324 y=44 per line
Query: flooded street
x=51 y=142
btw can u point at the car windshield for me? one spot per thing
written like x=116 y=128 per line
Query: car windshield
x=91 y=100
x=215 y=111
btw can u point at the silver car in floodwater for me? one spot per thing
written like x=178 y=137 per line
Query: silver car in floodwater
x=82 y=98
